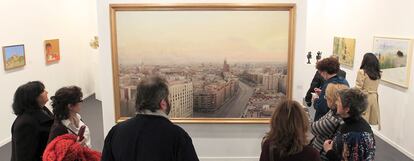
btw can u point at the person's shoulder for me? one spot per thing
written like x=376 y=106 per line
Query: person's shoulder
x=179 y=131
x=25 y=122
x=57 y=126
x=310 y=152
x=309 y=149
x=361 y=72
x=25 y=118
x=333 y=117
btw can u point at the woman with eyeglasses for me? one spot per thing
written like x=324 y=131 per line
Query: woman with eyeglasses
x=66 y=108
x=287 y=140
x=326 y=127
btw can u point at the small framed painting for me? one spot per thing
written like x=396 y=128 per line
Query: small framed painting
x=344 y=48
x=13 y=57
x=52 y=51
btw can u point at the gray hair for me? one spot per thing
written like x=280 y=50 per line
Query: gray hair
x=355 y=100
x=150 y=92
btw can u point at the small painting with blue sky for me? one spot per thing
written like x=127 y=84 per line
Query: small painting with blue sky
x=13 y=56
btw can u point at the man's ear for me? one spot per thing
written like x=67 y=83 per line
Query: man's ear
x=163 y=104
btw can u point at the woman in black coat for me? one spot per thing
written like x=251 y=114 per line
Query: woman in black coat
x=30 y=130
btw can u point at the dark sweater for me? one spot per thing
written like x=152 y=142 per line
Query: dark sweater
x=148 y=138
x=321 y=106
x=357 y=138
x=317 y=82
x=307 y=154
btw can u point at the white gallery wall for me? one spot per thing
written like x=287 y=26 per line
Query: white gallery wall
x=363 y=20
x=73 y=22
x=215 y=142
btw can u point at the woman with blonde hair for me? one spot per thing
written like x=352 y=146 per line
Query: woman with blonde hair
x=287 y=139
x=326 y=127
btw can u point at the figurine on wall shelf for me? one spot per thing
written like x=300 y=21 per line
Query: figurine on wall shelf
x=318 y=56
x=309 y=56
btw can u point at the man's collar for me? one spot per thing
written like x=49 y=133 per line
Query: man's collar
x=156 y=113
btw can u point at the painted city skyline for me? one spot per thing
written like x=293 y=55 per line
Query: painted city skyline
x=219 y=64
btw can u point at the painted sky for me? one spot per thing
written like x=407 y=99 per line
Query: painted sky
x=180 y=37
x=14 y=50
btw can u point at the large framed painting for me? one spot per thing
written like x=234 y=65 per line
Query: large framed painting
x=13 y=57
x=344 y=49
x=394 y=55
x=224 y=63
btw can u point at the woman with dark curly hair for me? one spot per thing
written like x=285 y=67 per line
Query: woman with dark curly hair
x=66 y=108
x=328 y=68
x=31 y=128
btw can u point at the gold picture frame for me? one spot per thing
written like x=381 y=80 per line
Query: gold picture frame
x=289 y=8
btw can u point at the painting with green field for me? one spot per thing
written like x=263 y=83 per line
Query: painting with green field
x=13 y=57
x=394 y=56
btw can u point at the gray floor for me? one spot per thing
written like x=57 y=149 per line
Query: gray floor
x=92 y=115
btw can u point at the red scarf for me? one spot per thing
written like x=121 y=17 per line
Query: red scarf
x=65 y=148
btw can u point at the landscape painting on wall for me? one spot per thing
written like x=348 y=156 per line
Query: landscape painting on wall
x=52 y=51
x=221 y=65
x=394 y=55
x=344 y=48
x=13 y=57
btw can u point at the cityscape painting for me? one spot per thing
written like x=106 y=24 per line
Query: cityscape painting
x=220 y=65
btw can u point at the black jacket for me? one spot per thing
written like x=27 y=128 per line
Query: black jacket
x=317 y=82
x=148 y=138
x=56 y=130
x=355 y=141
x=30 y=132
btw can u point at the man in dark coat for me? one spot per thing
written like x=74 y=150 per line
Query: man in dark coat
x=150 y=135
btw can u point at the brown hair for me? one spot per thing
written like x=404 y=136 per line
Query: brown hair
x=288 y=128
x=331 y=93
x=329 y=65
